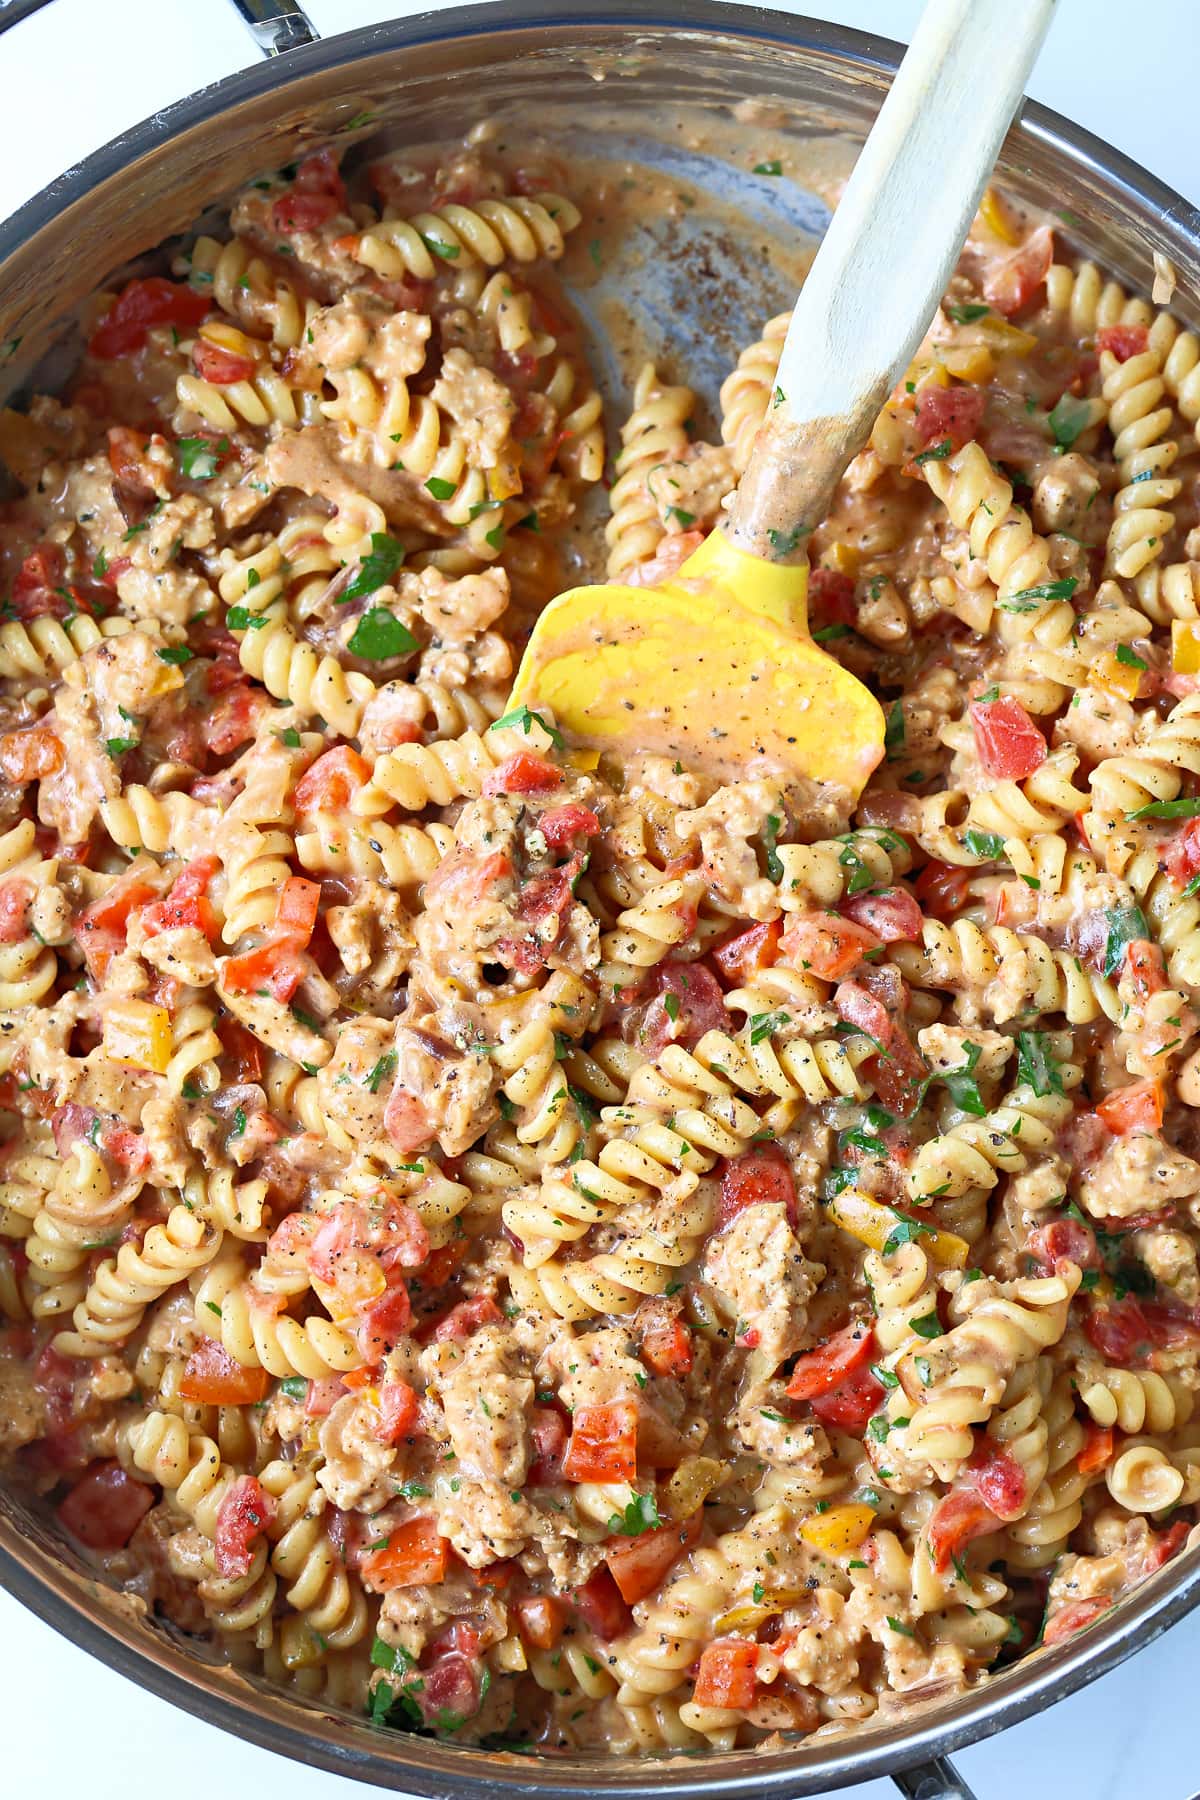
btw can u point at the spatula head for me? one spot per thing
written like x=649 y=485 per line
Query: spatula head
x=713 y=667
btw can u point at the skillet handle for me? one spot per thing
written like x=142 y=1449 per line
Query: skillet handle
x=936 y=1780
x=276 y=25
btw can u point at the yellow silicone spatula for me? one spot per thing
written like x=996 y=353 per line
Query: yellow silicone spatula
x=716 y=665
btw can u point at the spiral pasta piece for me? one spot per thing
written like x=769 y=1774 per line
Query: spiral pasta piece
x=293 y=671
x=1145 y=454
x=124 y=1285
x=746 y=392
x=654 y=433
x=519 y=228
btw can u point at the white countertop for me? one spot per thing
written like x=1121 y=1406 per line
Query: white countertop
x=72 y=77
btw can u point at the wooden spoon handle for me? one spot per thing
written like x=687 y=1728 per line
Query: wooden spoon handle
x=884 y=263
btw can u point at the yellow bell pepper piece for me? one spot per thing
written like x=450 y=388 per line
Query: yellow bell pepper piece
x=747 y=1617
x=998 y=218
x=873 y=1224
x=920 y=375
x=999 y=335
x=504 y=481
x=843 y=558
x=968 y=362
x=138 y=1035
x=1113 y=676
x=1185 y=646
x=838 y=1531
x=228 y=337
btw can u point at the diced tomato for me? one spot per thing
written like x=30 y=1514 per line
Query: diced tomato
x=1181 y=857
x=1009 y=743
x=234 y=718
x=242 y=1518
x=958 y=1517
x=523 y=773
x=449 y=1689
x=332 y=781
x=540 y=1620
x=1123 y=341
x=114 y=571
x=563 y=824
x=302 y=212
x=831 y=594
x=243 y=1052
x=999 y=1480
x=1138 y=1107
x=667 y=1348
x=1075 y=1616
x=212 y=1377
x=397 y=1411
x=852 y=1404
x=277 y=966
x=1120 y=1330
x=761 y=1175
x=1144 y=968
x=892 y=916
x=187 y=903
x=1098 y=1445
x=138 y=306
x=548 y=1431
x=323 y=1395
x=726 y=1676
x=128 y=462
x=1084 y=1139
x=1165 y=1545
x=14 y=907
x=222 y=367
x=105 y=1507
x=546 y=896
x=750 y=952
x=603 y=1444
x=466 y=1318
x=1063 y=1240
x=297 y=908
x=949 y=412
x=898 y=1070
x=941 y=888
x=699 y=1006
x=30 y=755
x=381 y=1324
x=638 y=1564
x=38 y=587
x=406 y=1120
x=600 y=1605
x=414 y=1552
x=1012 y=285
x=101 y=927
x=825 y=944
x=821 y=1370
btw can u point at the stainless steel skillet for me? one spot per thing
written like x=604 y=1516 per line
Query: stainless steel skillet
x=694 y=284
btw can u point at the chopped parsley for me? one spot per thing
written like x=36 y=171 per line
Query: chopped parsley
x=525 y=718
x=771 y=830
x=1166 y=809
x=927 y=1326
x=962 y=1086
x=174 y=653
x=1026 y=599
x=199 y=457
x=772 y=167
x=641 y=1514
x=379 y=635
x=894 y=732
x=765 y=1025
x=1069 y=418
x=375 y=570
x=935 y=452
x=967 y=315
x=240 y=618
x=1036 y=1062
x=906 y=1232
x=440 y=488
x=988 y=844
x=383 y=1068
x=1126 y=925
